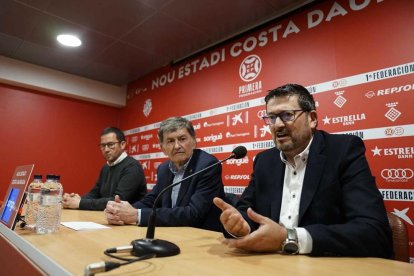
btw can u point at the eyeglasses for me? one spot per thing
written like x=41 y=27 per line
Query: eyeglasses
x=285 y=116
x=110 y=145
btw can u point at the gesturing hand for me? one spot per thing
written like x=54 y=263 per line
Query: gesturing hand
x=232 y=220
x=267 y=238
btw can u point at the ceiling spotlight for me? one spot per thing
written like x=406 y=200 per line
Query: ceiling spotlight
x=69 y=40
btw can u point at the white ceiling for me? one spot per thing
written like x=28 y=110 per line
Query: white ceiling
x=124 y=40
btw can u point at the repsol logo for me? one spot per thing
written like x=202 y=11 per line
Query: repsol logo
x=237 y=177
x=390 y=90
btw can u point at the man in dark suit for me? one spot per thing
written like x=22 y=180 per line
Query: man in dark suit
x=187 y=204
x=311 y=194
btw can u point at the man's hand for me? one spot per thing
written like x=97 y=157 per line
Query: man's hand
x=71 y=201
x=267 y=238
x=120 y=212
x=232 y=220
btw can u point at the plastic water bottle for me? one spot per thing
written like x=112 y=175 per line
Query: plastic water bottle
x=33 y=197
x=49 y=211
x=59 y=207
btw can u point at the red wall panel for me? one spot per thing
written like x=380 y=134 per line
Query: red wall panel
x=58 y=135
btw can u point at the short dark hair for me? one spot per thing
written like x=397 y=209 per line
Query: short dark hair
x=305 y=98
x=119 y=133
x=174 y=123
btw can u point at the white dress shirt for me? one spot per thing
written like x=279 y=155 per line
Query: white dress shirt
x=178 y=176
x=292 y=190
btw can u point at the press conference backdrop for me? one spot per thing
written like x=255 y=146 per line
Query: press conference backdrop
x=356 y=58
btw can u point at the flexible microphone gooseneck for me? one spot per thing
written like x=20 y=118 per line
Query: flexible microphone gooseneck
x=163 y=248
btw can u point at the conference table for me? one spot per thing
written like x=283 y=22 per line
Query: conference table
x=69 y=252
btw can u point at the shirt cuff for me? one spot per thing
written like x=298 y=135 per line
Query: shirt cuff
x=305 y=241
x=139 y=217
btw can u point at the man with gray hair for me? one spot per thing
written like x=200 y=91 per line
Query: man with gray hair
x=187 y=204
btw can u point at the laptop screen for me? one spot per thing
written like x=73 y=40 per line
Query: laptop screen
x=10 y=205
x=15 y=195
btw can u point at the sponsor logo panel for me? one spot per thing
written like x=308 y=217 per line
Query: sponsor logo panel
x=234 y=189
x=397 y=152
x=249 y=70
x=345 y=120
x=397 y=174
x=239 y=118
x=397 y=194
x=389 y=91
x=392 y=114
x=238 y=162
x=237 y=177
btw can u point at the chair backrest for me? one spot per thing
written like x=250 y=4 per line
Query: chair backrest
x=399 y=237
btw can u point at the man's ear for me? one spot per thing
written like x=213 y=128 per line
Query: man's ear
x=313 y=119
x=162 y=149
x=123 y=144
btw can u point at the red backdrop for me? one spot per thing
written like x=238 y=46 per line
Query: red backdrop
x=58 y=135
x=356 y=57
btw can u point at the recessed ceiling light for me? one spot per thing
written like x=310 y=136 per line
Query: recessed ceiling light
x=69 y=40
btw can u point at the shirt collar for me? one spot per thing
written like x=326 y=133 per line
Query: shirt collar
x=118 y=160
x=303 y=155
x=174 y=170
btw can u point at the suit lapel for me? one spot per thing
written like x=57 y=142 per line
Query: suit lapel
x=314 y=170
x=186 y=184
x=166 y=198
x=277 y=180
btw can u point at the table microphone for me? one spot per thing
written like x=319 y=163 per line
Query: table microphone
x=163 y=248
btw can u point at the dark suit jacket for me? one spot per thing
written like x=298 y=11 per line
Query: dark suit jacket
x=194 y=205
x=340 y=205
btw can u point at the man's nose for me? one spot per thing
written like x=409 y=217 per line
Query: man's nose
x=278 y=123
x=177 y=144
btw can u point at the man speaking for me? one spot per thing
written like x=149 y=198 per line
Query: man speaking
x=311 y=194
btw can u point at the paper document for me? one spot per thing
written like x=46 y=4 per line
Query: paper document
x=83 y=225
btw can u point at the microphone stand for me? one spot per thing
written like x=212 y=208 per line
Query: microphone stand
x=163 y=248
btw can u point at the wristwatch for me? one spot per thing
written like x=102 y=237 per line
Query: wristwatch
x=291 y=244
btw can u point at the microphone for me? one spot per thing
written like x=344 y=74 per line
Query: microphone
x=163 y=248
x=238 y=153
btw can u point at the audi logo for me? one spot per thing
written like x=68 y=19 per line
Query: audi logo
x=392 y=174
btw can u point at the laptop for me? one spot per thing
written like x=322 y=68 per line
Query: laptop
x=15 y=196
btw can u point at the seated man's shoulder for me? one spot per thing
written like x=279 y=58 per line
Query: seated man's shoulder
x=341 y=138
x=130 y=161
x=268 y=153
